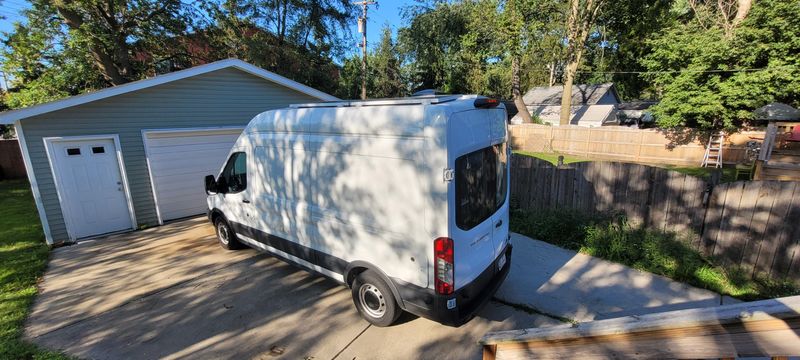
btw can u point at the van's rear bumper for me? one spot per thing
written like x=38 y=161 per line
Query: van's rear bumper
x=469 y=299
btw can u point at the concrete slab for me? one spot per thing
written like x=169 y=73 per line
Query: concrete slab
x=98 y=275
x=171 y=292
x=425 y=339
x=247 y=310
x=564 y=283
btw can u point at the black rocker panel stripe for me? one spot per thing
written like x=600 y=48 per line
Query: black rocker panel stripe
x=313 y=256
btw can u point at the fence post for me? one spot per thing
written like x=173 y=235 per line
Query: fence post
x=639 y=148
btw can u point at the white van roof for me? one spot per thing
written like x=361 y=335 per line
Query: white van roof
x=362 y=117
x=414 y=100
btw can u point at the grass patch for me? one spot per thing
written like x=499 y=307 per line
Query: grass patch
x=552 y=157
x=23 y=258
x=728 y=173
x=663 y=253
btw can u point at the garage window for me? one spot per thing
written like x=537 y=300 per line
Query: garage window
x=234 y=176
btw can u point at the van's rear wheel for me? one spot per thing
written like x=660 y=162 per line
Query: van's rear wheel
x=225 y=235
x=374 y=299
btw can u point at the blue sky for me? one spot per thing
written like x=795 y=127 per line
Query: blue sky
x=387 y=12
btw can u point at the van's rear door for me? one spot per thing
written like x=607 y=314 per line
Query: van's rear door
x=473 y=142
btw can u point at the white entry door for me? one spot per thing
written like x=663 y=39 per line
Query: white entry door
x=91 y=186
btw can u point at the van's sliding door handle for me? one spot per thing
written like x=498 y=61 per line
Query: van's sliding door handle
x=499 y=224
x=245 y=201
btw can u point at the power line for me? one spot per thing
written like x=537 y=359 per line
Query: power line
x=691 y=71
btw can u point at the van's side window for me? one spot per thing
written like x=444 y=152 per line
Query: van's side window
x=481 y=188
x=234 y=176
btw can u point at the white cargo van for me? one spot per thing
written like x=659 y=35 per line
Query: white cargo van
x=405 y=201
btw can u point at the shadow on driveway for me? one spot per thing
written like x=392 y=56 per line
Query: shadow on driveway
x=171 y=292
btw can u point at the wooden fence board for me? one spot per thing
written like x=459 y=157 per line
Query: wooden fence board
x=727 y=229
x=11 y=164
x=787 y=243
x=734 y=246
x=761 y=215
x=623 y=144
x=776 y=229
x=748 y=223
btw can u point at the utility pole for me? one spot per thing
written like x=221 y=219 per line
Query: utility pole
x=362 y=28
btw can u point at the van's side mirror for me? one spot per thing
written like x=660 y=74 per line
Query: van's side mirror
x=211 y=184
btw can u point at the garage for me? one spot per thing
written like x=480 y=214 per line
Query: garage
x=178 y=161
x=135 y=155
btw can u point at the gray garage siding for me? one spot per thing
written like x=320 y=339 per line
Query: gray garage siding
x=225 y=97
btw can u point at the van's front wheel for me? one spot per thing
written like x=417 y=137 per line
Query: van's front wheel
x=225 y=235
x=374 y=299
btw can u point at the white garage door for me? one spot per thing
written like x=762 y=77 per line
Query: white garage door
x=179 y=162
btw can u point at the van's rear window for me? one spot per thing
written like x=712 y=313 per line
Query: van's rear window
x=480 y=185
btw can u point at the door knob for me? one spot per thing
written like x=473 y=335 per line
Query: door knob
x=499 y=224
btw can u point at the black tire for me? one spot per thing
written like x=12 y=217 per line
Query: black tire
x=374 y=300
x=225 y=236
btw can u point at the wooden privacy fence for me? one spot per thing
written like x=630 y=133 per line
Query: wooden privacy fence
x=626 y=144
x=755 y=329
x=754 y=224
x=11 y=164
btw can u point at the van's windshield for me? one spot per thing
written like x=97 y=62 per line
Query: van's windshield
x=480 y=185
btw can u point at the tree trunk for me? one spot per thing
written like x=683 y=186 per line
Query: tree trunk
x=522 y=110
x=566 y=94
x=103 y=60
x=579 y=23
x=742 y=9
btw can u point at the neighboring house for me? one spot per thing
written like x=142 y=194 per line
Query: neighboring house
x=635 y=113
x=592 y=105
x=136 y=154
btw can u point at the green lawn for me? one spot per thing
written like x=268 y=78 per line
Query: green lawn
x=23 y=258
x=658 y=252
x=552 y=157
x=728 y=173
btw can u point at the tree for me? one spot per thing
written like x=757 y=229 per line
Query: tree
x=432 y=44
x=710 y=75
x=523 y=27
x=115 y=32
x=384 y=68
x=615 y=49
x=580 y=20
x=385 y=74
x=349 y=86
x=68 y=47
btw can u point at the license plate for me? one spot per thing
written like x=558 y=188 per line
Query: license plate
x=501 y=262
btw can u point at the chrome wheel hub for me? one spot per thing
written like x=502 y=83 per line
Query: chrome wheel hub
x=372 y=301
x=223 y=233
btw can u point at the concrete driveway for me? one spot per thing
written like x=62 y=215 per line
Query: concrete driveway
x=172 y=292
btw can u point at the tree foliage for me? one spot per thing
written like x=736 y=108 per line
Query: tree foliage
x=69 y=47
x=708 y=71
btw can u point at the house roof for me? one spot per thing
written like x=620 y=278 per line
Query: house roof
x=636 y=105
x=581 y=94
x=10 y=117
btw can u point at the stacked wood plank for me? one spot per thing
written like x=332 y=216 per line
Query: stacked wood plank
x=755 y=329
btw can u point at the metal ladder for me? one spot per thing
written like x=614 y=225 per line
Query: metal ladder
x=713 y=154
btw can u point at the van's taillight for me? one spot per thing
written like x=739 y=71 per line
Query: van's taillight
x=486 y=103
x=443 y=256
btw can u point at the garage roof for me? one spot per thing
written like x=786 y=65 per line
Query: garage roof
x=10 y=117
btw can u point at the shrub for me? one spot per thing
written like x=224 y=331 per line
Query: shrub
x=669 y=254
